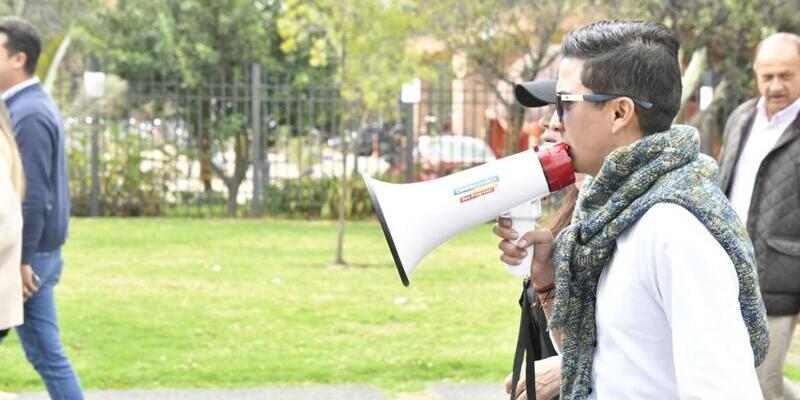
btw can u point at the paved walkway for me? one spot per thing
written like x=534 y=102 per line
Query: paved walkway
x=487 y=391
x=466 y=391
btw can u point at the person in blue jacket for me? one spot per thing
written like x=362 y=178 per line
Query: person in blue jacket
x=39 y=133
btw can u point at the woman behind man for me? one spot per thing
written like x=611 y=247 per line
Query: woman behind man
x=548 y=369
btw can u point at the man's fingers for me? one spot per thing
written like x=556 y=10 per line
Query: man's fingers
x=505 y=232
x=508 y=382
x=521 y=386
x=540 y=237
x=524 y=241
x=510 y=250
x=28 y=290
x=27 y=285
x=521 y=382
x=510 y=260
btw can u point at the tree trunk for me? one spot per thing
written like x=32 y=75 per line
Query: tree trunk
x=513 y=129
x=205 y=160
x=233 y=182
x=343 y=140
x=19 y=7
x=518 y=119
x=342 y=203
x=233 y=192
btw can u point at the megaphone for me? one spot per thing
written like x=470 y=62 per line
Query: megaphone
x=418 y=217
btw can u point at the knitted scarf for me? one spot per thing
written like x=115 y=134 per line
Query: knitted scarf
x=662 y=167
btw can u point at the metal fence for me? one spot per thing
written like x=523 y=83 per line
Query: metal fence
x=252 y=145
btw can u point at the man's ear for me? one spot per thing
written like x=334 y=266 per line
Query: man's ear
x=18 y=60
x=624 y=111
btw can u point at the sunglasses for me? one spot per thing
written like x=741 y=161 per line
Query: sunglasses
x=561 y=98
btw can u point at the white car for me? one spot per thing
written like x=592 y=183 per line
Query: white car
x=445 y=154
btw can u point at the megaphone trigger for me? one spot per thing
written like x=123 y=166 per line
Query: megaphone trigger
x=523 y=220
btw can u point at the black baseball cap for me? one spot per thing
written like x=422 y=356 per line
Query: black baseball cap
x=536 y=93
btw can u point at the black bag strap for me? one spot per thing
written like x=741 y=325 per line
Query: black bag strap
x=528 y=347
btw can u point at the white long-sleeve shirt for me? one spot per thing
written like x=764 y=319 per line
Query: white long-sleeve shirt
x=668 y=319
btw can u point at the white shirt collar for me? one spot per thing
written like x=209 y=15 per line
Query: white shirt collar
x=787 y=113
x=18 y=87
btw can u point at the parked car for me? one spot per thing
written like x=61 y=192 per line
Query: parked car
x=438 y=156
x=376 y=140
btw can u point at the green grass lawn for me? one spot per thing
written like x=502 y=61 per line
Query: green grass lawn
x=148 y=303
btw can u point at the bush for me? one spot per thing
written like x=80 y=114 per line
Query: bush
x=318 y=198
x=132 y=177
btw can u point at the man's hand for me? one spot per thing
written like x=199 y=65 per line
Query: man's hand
x=542 y=272
x=548 y=379
x=29 y=288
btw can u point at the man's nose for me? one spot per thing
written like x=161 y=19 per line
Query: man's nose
x=774 y=86
x=555 y=121
x=556 y=125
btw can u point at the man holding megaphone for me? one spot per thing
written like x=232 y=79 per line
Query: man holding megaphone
x=651 y=292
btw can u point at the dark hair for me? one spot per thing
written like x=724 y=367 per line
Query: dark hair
x=632 y=58
x=22 y=38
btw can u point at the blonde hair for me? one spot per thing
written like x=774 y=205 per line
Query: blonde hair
x=10 y=154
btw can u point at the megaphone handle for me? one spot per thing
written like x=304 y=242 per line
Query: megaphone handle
x=522 y=226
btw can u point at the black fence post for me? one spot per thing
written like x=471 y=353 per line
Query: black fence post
x=409 y=142
x=265 y=172
x=255 y=103
x=94 y=198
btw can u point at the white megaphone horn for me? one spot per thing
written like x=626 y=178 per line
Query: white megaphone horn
x=418 y=217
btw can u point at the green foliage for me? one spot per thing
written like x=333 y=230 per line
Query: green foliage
x=730 y=30
x=194 y=204
x=206 y=46
x=358 y=204
x=303 y=151
x=299 y=198
x=368 y=48
x=191 y=40
x=8 y=7
x=489 y=37
x=318 y=198
x=50 y=18
x=133 y=178
x=231 y=125
x=492 y=34
x=783 y=15
x=364 y=40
